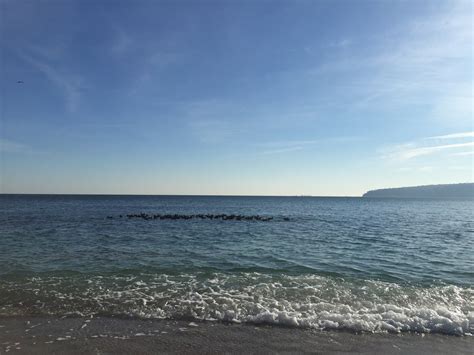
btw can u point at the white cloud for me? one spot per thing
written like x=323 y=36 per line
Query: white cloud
x=416 y=152
x=412 y=150
x=454 y=135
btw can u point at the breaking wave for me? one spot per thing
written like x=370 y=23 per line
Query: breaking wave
x=308 y=301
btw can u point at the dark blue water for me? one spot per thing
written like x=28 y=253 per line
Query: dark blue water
x=343 y=263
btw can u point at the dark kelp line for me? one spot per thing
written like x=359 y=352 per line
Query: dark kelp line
x=223 y=217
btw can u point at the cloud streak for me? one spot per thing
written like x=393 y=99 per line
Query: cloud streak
x=412 y=150
x=416 y=152
x=289 y=143
x=69 y=86
x=294 y=145
x=454 y=136
x=7 y=146
x=463 y=154
x=282 y=150
x=425 y=63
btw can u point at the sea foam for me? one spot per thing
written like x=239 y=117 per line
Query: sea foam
x=307 y=301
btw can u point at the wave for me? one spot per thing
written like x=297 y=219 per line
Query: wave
x=307 y=301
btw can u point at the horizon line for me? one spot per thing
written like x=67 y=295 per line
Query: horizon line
x=184 y=195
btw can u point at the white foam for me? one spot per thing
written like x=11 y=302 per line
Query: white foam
x=297 y=301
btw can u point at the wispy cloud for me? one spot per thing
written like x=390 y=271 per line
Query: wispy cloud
x=213 y=120
x=145 y=59
x=419 y=148
x=416 y=152
x=454 y=135
x=277 y=147
x=342 y=43
x=122 y=42
x=422 y=62
x=8 y=146
x=289 y=143
x=283 y=150
x=462 y=154
x=430 y=169
x=69 y=85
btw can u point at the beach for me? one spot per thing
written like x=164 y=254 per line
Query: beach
x=250 y=177
x=52 y=335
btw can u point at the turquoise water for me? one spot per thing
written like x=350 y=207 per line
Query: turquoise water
x=329 y=263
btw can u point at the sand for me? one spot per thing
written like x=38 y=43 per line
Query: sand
x=48 y=335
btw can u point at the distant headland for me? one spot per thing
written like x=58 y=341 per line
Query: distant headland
x=446 y=191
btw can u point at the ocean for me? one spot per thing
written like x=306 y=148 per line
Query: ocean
x=357 y=264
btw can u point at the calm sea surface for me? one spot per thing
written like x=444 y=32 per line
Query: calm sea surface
x=332 y=263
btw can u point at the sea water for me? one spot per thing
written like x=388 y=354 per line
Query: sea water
x=375 y=265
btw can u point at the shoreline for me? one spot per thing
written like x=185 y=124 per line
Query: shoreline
x=41 y=335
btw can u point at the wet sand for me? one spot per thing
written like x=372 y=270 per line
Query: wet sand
x=43 y=335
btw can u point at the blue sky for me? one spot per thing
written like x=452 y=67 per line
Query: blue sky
x=235 y=97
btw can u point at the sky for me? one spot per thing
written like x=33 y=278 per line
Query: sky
x=327 y=98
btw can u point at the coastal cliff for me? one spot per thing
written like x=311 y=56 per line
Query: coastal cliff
x=446 y=191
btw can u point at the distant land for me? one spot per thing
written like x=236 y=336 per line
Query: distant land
x=446 y=191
